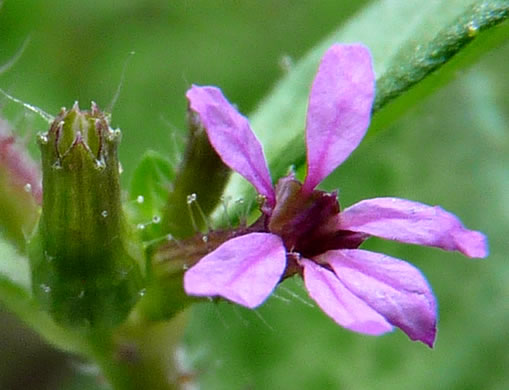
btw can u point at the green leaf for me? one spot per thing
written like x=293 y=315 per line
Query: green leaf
x=150 y=187
x=410 y=41
x=14 y=267
x=15 y=295
x=456 y=46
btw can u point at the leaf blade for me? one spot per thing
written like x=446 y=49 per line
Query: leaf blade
x=279 y=120
x=16 y=296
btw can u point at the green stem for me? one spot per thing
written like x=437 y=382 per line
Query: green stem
x=141 y=355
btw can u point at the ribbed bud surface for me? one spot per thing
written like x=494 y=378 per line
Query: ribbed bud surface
x=86 y=264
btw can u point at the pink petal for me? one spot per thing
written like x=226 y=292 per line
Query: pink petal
x=414 y=223
x=392 y=287
x=232 y=138
x=243 y=270
x=339 y=303
x=339 y=109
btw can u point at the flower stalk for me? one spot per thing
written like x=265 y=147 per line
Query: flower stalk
x=141 y=355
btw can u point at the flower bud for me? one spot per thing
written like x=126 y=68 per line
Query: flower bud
x=86 y=263
x=20 y=188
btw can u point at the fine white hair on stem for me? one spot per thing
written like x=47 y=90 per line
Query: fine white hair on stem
x=111 y=106
x=263 y=320
x=177 y=141
x=219 y=315
x=44 y=115
x=193 y=204
x=296 y=296
x=239 y=315
x=281 y=298
x=225 y=201
x=9 y=64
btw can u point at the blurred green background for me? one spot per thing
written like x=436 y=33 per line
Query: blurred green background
x=452 y=149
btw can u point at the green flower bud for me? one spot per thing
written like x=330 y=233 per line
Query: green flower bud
x=86 y=263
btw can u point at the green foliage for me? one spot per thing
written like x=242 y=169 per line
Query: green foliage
x=149 y=192
x=150 y=185
x=479 y=29
x=15 y=292
x=429 y=35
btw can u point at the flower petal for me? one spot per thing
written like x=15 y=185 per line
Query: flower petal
x=243 y=270
x=392 y=287
x=231 y=136
x=413 y=223
x=339 y=109
x=339 y=303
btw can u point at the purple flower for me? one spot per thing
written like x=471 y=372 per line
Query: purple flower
x=303 y=231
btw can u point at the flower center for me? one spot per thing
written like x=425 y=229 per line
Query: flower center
x=308 y=223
